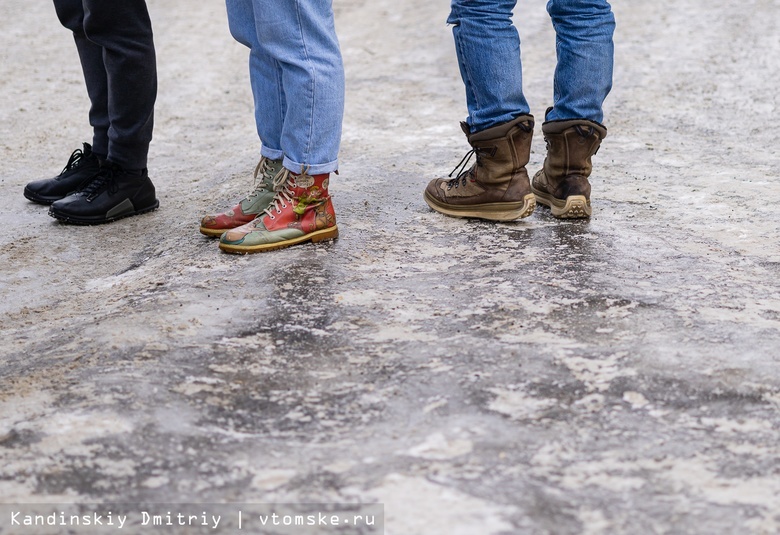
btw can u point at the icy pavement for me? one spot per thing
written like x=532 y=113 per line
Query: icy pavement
x=540 y=377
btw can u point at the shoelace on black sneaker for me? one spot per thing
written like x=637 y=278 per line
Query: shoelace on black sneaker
x=103 y=180
x=74 y=161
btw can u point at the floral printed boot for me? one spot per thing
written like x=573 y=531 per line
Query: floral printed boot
x=250 y=206
x=301 y=211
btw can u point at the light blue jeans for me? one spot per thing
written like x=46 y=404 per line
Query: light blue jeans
x=297 y=79
x=488 y=49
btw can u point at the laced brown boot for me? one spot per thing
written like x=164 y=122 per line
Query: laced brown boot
x=496 y=187
x=562 y=184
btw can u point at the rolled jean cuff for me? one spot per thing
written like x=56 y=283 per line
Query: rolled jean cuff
x=317 y=169
x=271 y=154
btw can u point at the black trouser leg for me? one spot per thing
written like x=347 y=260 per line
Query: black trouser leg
x=71 y=15
x=124 y=31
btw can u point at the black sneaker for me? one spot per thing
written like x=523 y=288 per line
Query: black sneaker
x=81 y=167
x=112 y=194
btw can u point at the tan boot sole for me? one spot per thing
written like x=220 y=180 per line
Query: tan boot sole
x=213 y=232
x=497 y=211
x=317 y=236
x=573 y=207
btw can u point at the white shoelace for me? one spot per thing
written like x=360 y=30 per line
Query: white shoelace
x=263 y=169
x=283 y=184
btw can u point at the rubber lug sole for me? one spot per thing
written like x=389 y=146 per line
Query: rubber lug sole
x=77 y=221
x=213 y=232
x=497 y=211
x=39 y=199
x=573 y=207
x=315 y=237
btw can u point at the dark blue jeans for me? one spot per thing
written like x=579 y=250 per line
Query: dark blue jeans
x=488 y=49
x=114 y=42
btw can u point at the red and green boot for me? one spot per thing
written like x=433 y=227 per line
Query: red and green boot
x=250 y=206
x=301 y=211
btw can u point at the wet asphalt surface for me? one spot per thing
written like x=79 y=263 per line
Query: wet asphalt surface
x=616 y=375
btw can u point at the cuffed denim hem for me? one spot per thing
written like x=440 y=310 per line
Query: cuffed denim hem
x=318 y=169
x=271 y=154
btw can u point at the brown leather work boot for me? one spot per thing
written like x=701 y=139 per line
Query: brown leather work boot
x=562 y=184
x=496 y=187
